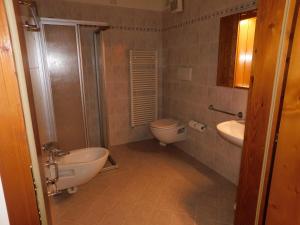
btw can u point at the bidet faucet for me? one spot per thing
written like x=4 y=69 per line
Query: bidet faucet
x=53 y=151
x=49 y=146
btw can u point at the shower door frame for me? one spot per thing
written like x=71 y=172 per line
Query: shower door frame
x=47 y=82
x=100 y=79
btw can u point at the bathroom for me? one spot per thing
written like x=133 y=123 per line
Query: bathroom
x=83 y=73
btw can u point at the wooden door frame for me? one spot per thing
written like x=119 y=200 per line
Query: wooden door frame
x=282 y=205
x=24 y=145
x=15 y=160
x=272 y=39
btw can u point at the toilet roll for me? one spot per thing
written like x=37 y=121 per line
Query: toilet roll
x=197 y=126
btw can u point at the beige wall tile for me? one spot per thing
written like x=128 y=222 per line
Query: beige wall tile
x=196 y=45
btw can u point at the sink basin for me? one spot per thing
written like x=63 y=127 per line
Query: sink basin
x=232 y=131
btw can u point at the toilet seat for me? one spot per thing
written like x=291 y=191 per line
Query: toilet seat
x=164 y=124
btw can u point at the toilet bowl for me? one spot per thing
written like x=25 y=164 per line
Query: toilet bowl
x=78 y=167
x=168 y=131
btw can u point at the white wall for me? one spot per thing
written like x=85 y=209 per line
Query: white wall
x=3 y=209
x=157 y=5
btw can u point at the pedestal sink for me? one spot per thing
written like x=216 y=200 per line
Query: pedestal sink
x=232 y=131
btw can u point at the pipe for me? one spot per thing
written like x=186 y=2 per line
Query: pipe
x=33 y=9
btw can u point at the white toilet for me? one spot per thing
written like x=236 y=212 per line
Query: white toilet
x=168 y=131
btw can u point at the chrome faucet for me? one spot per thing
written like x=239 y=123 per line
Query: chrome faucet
x=49 y=146
x=53 y=151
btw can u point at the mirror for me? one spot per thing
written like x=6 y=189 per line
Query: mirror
x=236 y=41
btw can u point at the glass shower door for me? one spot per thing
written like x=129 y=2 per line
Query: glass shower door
x=73 y=59
x=63 y=70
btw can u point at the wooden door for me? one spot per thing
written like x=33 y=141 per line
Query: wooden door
x=272 y=38
x=284 y=197
x=15 y=162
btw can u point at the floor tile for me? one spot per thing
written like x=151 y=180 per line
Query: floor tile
x=153 y=185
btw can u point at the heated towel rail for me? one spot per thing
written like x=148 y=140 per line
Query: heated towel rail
x=143 y=86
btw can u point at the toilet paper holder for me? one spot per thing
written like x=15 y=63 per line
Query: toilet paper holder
x=197 y=126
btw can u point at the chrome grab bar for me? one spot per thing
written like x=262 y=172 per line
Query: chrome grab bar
x=56 y=174
x=239 y=114
x=51 y=182
x=53 y=152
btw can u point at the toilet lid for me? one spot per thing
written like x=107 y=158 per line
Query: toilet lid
x=164 y=123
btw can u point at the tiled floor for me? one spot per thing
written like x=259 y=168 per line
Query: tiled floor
x=153 y=186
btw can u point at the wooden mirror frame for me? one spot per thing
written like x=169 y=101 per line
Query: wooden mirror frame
x=227 y=47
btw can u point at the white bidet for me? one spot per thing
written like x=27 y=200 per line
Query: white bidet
x=79 y=167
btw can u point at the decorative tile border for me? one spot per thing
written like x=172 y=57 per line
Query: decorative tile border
x=200 y=18
x=218 y=13
x=133 y=28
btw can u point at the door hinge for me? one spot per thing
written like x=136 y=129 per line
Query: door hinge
x=276 y=138
x=35 y=192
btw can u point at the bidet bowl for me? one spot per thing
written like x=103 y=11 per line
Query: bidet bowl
x=80 y=166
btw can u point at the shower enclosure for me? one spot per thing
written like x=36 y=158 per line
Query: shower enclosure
x=73 y=67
